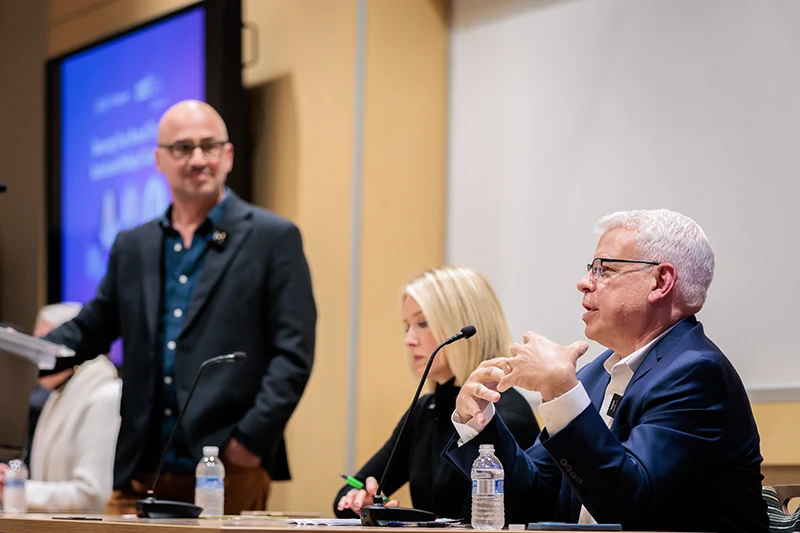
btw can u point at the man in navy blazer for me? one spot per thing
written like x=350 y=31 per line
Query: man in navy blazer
x=213 y=275
x=657 y=433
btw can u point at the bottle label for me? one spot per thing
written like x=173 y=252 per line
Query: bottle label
x=13 y=483
x=209 y=483
x=487 y=486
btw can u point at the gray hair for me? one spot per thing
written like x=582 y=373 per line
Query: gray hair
x=57 y=314
x=669 y=237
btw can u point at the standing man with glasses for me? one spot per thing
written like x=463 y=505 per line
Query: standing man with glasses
x=657 y=432
x=212 y=276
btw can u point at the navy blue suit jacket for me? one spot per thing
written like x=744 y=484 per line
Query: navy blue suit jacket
x=681 y=455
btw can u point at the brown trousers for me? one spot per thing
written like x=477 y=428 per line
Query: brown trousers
x=246 y=489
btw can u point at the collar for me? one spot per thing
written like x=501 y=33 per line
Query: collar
x=447 y=389
x=212 y=220
x=635 y=359
x=444 y=396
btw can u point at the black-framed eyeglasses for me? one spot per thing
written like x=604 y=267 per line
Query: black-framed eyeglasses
x=183 y=150
x=597 y=269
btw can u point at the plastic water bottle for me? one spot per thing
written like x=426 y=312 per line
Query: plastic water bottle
x=209 y=488
x=487 y=490
x=14 y=500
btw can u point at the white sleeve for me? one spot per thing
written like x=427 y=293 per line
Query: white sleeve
x=467 y=431
x=559 y=412
x=91 y=483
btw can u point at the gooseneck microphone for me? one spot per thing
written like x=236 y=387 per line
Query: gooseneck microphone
x=379 y=515
x=465 y=333
x=150 y=507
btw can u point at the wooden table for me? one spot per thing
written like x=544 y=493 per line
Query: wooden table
x=45 y=523
x=42 y=523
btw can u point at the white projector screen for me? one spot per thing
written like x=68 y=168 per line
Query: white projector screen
x=563 y=111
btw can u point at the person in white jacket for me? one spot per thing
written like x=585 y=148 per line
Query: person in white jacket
x=72 y=455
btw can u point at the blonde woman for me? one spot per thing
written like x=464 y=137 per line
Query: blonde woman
x=436 y=304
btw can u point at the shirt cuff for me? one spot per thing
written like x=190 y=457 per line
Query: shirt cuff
x=559 y=412
x=469 y=430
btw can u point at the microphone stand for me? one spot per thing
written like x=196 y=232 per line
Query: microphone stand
x=151 y=507
x=378 y=514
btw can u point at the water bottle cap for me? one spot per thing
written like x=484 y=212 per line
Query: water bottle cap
x=486 y=448
x=210 y=451
x=16 y=465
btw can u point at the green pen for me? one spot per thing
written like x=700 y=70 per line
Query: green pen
x=356 y=484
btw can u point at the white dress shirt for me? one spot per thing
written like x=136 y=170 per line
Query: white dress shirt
x=559 y=412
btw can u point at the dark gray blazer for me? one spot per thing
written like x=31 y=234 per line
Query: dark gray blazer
x=254 y=295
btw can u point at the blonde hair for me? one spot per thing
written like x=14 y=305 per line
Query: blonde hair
x=452 y=297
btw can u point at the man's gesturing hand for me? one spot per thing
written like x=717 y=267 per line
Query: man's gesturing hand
x=542 y=365
x=480 y=389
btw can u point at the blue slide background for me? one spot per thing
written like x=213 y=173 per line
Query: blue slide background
x=112 y=96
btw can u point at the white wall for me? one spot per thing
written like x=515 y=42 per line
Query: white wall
x=562 y=111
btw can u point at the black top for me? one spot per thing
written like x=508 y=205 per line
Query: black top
x=436 y=485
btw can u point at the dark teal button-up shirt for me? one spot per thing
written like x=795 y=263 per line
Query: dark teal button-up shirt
x=182 y=270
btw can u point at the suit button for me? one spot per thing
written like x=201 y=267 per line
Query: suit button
x=563 y=462
x=167 y=380
x=568 y=468
x=579 y=480
x=573 y=475
x=177 y=247
x=167 y=412
x=177 y=313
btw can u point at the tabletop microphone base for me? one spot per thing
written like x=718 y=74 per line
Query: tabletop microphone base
x=152 y=508
x=380 y=515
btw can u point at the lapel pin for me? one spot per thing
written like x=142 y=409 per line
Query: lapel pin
x=218 y=239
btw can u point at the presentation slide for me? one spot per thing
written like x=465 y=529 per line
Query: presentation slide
x=112 y=96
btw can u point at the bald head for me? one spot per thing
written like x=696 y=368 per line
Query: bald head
x=187 y=113
x=196 y=177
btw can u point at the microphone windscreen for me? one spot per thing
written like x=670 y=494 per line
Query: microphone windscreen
x=238 y=357
x=468 y=331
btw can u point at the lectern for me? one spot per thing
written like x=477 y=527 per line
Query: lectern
x=21 y=358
